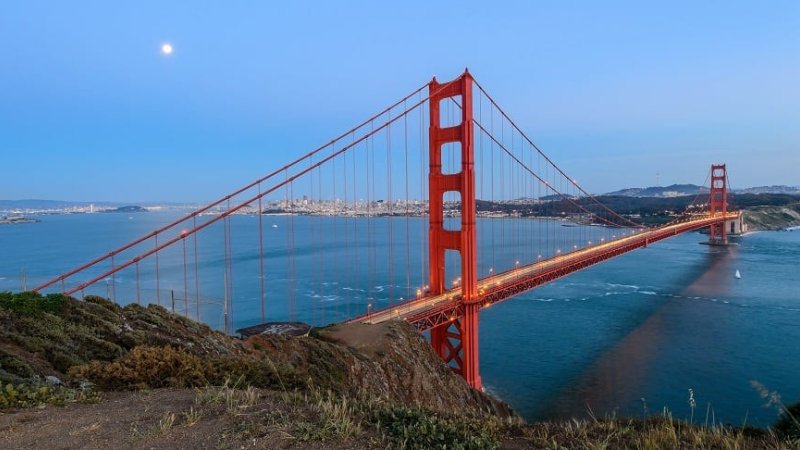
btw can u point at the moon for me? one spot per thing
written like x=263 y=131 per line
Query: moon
x=166 y=48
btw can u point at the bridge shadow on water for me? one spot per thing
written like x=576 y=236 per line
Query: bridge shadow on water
x=614 y=381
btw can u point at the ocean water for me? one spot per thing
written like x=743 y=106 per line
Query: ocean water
x=630 y=336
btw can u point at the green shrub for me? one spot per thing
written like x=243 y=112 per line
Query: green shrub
x=30 y=395
x=156 y=367
x=144 y=367
x=32 y=303
x=417 y=428
x=14 y=369
x=61 y=360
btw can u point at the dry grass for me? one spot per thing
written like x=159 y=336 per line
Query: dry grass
x=191 y=417
x=166 y=422
x=652 y=433
x=336 y=419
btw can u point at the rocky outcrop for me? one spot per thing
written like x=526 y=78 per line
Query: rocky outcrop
x=389 y=361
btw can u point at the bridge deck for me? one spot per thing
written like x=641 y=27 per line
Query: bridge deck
x=430 y=311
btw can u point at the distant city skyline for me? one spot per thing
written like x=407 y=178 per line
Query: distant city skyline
x=50 y=204
x=95 y=107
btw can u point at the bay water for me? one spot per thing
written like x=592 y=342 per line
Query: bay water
x=630 y=336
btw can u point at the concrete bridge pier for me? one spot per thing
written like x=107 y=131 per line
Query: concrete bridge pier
x=736 y=227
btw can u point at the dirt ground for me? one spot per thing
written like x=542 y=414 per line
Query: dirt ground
x=170 y=418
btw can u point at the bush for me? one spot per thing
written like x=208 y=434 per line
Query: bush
x=145 y=367
x=14 y=369
x=28 y=395
x=32 y=303
x=156 y=367
x=417 y=428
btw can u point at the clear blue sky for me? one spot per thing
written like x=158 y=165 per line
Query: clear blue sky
x=613 y=91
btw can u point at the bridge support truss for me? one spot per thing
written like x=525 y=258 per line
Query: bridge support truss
x=455 y=341
x=718 y=203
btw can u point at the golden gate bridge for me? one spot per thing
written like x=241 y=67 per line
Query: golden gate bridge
x=353 y=228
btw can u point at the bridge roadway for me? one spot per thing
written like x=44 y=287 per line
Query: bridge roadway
x=426 y=312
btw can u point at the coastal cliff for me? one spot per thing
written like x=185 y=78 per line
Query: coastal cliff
x=93 y=374
x=764 y=218
x=105 y=344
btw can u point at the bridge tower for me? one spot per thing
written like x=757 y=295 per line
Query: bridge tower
x=456 y=341
x=718 y=203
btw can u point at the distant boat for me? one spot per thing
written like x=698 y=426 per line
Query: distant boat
x=274 y=225
x=737 y=275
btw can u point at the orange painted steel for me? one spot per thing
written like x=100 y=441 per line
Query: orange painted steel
x=718 y=203
x=455 y=340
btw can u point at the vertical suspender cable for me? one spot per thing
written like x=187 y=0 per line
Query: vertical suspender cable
x=333 y=224
x=320 y=239
x=196 y=272
x=315 y=277
x=373 y=198
x=185 y=281
x=408 y=238
x=158 y=277
x=425 y=181
x=390 y=211
x=138 y=289
x=292 y=262
x=481 y=253
x=493 y=220
x=261 y=255
x=113 y=280
x=354 y=274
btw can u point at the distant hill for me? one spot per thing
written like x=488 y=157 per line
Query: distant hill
x=679 y=190
x=791 y=190
x=674 y=190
